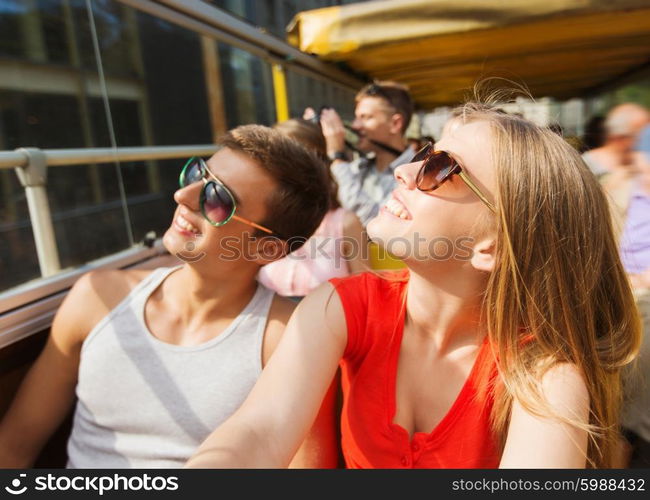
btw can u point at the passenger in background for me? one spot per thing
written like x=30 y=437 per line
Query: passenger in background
x=572 y=140
x=622 y=127
x=339 y=246
x=557 y=128
x=382 y=114
x=633 y=214
x=158 y=359
x=507 y=353
x=415 y=143
x=594 y=136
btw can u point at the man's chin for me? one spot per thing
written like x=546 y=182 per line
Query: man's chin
x=364 y=146
x=368 y=148
x=168 y=241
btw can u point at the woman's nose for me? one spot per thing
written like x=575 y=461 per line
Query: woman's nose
x=189 y=195
x=406 y=174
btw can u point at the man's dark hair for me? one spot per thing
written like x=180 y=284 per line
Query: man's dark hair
x=299 y=203
x=395 y=94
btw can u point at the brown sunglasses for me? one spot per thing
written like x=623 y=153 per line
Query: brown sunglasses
x=439 y=166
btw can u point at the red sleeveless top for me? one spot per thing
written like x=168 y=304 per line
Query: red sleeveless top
x=374 y=313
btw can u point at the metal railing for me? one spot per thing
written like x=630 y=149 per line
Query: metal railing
x=31 y=166
x=83 y=156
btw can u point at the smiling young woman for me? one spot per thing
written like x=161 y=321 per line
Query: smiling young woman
x=469 y=361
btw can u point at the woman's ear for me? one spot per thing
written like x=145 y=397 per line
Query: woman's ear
x=484 y=255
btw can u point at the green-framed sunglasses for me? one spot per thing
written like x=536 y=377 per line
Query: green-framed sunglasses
x=217 y=203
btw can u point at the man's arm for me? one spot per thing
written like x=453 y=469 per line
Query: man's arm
x=48 y=390
x=267 y=430
x=535 y=442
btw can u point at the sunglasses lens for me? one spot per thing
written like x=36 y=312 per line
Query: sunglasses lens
x=193 y=172
x=437 y=166
x=217 y=203
x=422 y=154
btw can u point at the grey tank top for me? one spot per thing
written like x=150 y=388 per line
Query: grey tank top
x=144 y=403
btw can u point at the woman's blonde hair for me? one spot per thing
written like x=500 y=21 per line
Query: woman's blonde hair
x=558 y=292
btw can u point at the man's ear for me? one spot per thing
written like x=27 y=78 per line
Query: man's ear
x=269 y=249
x=484 y=255
x=396 y=124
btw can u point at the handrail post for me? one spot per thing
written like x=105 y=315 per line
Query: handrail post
x=280 y=93
x=33 y=178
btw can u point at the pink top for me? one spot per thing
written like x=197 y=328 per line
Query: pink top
x=318 y=260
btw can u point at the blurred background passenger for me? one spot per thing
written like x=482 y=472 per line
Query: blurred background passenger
x=382 y=114
x=573 y=140
x=594 y=136
x=557 y=128
x=635 y=253
x=413 y=134
x=339 y=245
x=414 y=143
x=622 y=127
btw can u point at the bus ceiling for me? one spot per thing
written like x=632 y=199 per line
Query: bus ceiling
x=440 y=48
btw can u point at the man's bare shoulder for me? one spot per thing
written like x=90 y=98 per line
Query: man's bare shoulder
x=281 y=309
x=92 y=297
x=320 y=309
x=108 y=286
x=279 y=314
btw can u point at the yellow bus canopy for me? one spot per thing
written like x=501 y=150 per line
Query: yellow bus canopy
x=440 y=48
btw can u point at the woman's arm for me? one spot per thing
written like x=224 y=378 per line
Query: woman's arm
x=321 y=447
x=537 y=442
x=269 y=427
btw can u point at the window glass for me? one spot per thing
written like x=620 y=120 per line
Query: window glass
x=34 y=30
x=306 y=92
x=155 y=88
x=247 y=86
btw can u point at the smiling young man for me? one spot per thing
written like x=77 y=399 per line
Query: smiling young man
x=382 y=114
x=159 y=359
